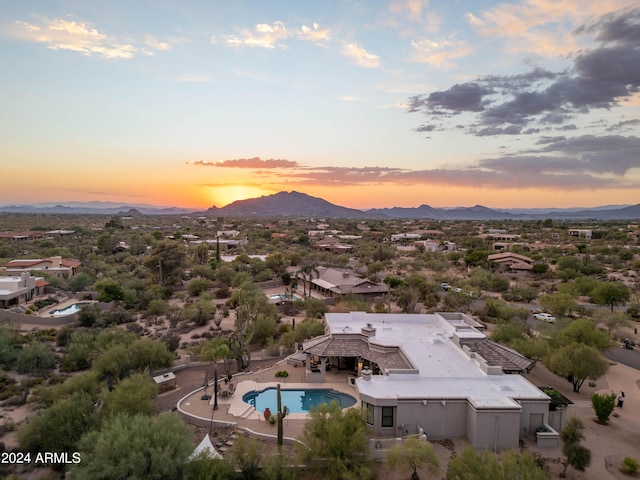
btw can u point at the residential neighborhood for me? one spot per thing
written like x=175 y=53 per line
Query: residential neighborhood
x=356 y=308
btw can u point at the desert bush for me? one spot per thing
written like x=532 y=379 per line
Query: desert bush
x=603 y=405
x=629 y=465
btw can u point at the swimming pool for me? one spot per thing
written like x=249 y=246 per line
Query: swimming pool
x=68 y=310
x=297 y=401
x=283 y=297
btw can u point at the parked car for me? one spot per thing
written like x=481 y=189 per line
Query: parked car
x=545 y=317
x=445 y=286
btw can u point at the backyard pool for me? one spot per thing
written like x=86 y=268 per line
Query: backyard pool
x=283 y=297
x=68 y=310
x=297 y=401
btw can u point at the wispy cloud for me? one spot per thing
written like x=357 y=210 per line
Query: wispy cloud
x=439 y=53
x=360 y=56
x=254 y=162
x=82 y=37
x=576 y=164
x=271 y=36
x=537 y=26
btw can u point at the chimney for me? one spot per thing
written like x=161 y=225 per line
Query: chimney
x=368 y=331
x=56 y=261
x=366 y=374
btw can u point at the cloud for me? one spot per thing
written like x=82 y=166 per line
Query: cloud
x=624 y=124
x=438 y=53
x=314 y=34
x=360 y=56
x=271 y=36
x=537 y=26
x=81 y=37
x=575 y=164
x=600 y=78
x=467 y=97
x=608 y=154
x=255 y=162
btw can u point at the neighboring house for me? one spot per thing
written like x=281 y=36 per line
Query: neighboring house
x=499 y=235
x=582 y=233
x=332 y=244
x=18 y=289
x=437 y=246
x=400 y=237
x=433 y=374
x=21 y=236
x=333 y=282
x=54 y=266
x=511 y=261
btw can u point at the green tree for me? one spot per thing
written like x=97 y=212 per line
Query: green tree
x=106 y=243
x=412 y=454
x=245 y=455
x=133 y=396
x=201 y=254
x=7 y=347
x=206 y=467
x=35 y=359
x=60 y=427
x=603 y=405
x=578 y=456
x=559 y=304
x=135 y=447
x=581 y=331
x=612 y=321
x=199 y=285
x=167 y=261
x=152 y=354
x=335 y=445
x=109 y=290
x=577 y=362
x=471 y=464
x=80 y=281
x=200 y=312
x=476 y=257
x=611 y=294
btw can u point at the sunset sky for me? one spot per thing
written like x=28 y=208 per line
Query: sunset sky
x=531 y=103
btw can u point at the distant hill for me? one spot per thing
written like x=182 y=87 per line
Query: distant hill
x=287 y=204
x=94 y=208
x=296 y=204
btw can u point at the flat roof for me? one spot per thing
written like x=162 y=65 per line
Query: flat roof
x=444 y=370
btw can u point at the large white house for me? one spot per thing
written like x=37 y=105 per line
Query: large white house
x=434 y=374
x=17 y=289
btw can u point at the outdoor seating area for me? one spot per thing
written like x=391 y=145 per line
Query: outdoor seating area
x=227 y=390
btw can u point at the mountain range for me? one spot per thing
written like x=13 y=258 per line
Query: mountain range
x=296 y=204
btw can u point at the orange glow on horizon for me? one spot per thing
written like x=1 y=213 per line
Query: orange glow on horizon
x=223 y=195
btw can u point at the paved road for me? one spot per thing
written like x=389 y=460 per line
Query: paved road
x=631 y=358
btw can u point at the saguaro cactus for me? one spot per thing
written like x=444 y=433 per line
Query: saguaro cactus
x=282 y=412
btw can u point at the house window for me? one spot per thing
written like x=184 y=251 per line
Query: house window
x=370 y=410
x=387 y=416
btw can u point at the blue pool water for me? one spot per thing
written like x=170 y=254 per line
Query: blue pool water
x=297 y=401
x=71 y=309
x=283 y=297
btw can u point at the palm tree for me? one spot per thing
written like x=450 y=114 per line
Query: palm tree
x=307 y=272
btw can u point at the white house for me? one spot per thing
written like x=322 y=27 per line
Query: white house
x=54 y=266
x=434 y=374
x=17 y=289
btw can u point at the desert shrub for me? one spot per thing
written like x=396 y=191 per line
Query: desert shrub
x=603 y=405
x=629 y=465
x=282 y=374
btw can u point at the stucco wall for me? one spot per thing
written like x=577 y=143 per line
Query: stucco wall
x=494 y=429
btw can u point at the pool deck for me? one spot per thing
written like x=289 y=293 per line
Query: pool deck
x=240 y=414
x=46 y=313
